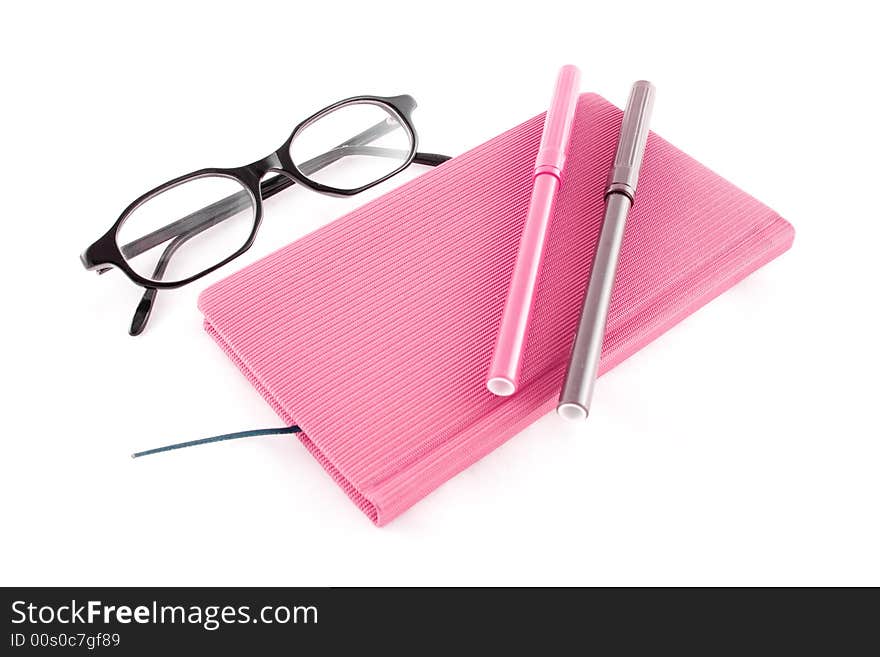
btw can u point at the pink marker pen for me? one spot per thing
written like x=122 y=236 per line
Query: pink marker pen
x=503 y=377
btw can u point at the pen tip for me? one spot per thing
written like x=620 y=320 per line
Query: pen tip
x=503 y=387
x=572 y=411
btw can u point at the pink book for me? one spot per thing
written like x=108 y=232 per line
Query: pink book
x=374 y=333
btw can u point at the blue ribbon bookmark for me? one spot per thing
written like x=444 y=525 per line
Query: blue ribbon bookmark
x=216 y=439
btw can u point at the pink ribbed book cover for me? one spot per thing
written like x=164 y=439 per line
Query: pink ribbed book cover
x=374 y=333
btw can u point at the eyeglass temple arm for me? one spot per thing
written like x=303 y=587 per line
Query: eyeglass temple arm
x=199 y=221
x=268 y=188
x=227 y=207
x=347 y=147
x=145 y=307
x=231 y=205
x=371 y=134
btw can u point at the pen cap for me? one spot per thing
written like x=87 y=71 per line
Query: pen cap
x=633 y=138
x=558 y=121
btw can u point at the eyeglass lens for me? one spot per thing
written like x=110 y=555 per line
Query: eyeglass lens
x=352 y=146
x=199 y=222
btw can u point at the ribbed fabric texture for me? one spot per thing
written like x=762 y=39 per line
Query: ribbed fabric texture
x=375 y=332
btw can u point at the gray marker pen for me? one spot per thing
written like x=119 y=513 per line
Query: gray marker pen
x=574 y=400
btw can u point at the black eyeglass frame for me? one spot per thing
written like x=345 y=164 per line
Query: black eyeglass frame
x=106 y=252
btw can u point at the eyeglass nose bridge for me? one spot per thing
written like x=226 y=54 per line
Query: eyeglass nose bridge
x=261 y=167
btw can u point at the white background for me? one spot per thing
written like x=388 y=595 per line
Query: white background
x=739 y=448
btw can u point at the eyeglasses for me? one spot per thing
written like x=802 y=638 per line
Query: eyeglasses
x=190 y=226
